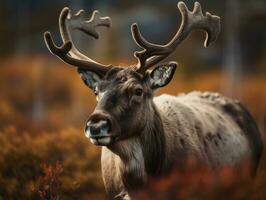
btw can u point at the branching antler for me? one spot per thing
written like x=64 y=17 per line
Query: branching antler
x=67 y=51
x=191 y=20
x=151 y=53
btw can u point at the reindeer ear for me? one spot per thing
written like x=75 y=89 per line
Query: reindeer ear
x=90 y=78
x=162 y=75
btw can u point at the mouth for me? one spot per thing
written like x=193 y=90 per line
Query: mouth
x=101 y=141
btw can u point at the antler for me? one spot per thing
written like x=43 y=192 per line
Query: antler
x=191 y=20
x=67 y=51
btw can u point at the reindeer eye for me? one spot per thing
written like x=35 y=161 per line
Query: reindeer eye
x=138 y=92
x=122 y=79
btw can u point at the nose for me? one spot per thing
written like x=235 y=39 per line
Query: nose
x=99 y=128
x=98 y=125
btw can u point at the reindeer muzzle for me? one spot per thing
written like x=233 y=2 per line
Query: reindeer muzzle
x=98 y=129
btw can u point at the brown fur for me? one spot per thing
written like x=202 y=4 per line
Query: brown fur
x=158 y=132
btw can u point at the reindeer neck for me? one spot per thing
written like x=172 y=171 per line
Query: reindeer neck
x=143 y=155
x=153 y=143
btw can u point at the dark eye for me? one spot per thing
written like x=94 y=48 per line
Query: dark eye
x=122 y=79
x=138 y=92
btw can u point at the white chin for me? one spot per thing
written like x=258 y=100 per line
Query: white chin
x=101 y=141
x=94 y=141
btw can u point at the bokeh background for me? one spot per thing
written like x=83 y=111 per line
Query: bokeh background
x=44 y=105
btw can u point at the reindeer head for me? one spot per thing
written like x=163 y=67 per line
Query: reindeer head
x=124 y=94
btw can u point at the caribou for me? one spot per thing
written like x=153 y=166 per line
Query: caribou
x=143 y=135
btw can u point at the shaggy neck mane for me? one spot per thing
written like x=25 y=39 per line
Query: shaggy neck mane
x=153 y=142
x=144 y=154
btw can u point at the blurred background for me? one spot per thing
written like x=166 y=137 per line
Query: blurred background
x=44 y=105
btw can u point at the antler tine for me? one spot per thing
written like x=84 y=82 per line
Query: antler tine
x=89 y=26
x=65 y=13
x=68 y=52
x=191 y=20
x=62 y=53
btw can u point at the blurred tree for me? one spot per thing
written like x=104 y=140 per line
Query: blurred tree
x=232 y=47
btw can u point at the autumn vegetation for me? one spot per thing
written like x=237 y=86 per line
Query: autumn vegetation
x=45 y=155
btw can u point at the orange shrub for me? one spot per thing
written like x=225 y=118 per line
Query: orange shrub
x=22 y=154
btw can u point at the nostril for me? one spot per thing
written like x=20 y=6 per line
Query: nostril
x=105 y=126
x=94 y=130
x=99 y=128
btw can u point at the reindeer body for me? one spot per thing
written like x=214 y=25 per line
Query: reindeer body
x=208 y=127
x=144 y=136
